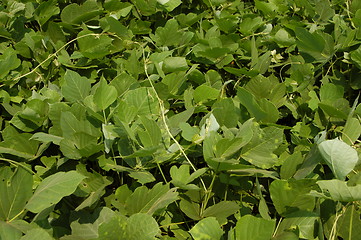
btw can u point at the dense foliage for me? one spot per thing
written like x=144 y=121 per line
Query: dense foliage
x=170 y=119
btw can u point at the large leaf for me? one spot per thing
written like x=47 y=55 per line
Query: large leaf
x=52 y=189
x=253 y=228
x=7 y=231
x=143 y=101
x=291 y=196
x=141 y=226
x=92 y=46
x=259 y=151
x=207 y=229
x=15 y=191
x=339 y=156
x=305 y=221
x=18 y=144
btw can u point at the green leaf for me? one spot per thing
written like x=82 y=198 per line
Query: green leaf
x=227 y=147
x=142 y=177
x=151 y=136
x=351 y=131
x=253 y=228
x=356 y=57
x=18 y=144
x=141 y=226
x=143 y=100
x=169 y=5
x=330 y=92
x=291 y=195
x=305 y=222
x=339 y=156
x=45 y=11
x=225 y=112
x=204 y=93
x=15 y=191
x=181 y=177
x=75 y=87
x=259 y=151
x=37 y=233
x=207 y=229
x=7 y=231
x=113 y=229
x=312 y=44
x=52 y=189
x=340 y=191
x=76 y=14
x=221 y=211
x=144 y=200
x=45 y=138
x=146 y=7
x=177 y=120
x=173 y=64
x=8 y=62
x=249 y=101
x=94 y=46
x=349 y=223
x=105 y=95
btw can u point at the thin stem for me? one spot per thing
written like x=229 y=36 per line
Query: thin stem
x=163 y=117
x=54 y=54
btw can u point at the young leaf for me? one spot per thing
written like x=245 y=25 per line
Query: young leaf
x=52 y=189
x=105 y=95
x=339 y=156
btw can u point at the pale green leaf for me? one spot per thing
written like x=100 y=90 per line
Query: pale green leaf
x=141 y=226
x=254 y=228
x=52 y=189
x=339 y=156
x=340 y=191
